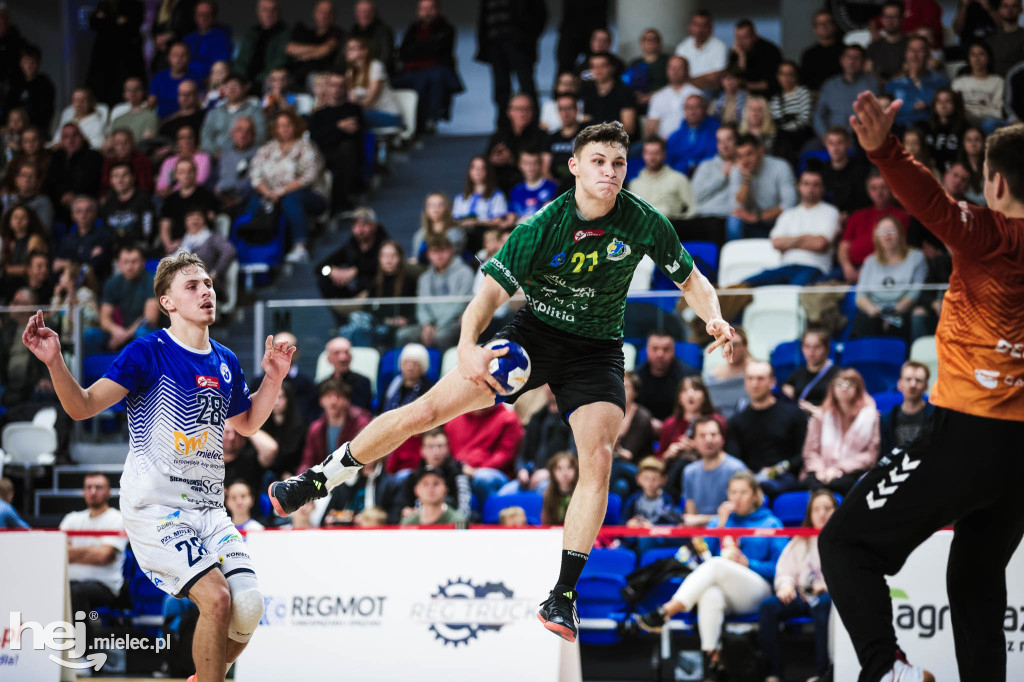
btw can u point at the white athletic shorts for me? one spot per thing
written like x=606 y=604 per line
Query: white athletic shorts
x=176 y=547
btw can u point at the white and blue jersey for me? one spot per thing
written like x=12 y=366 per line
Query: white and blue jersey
x=524 y=200
x=178 y=399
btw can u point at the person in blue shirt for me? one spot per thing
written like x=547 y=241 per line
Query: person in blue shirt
x=8 y=516
x=163 y=89
x=182 y=390
x=917 y=86
x=210 y=42
x=530 y=195
x=737 y=579
x=695 y=139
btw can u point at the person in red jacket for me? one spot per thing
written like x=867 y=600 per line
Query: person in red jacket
x=858 y=236
x=486 y=442
x=341 y=421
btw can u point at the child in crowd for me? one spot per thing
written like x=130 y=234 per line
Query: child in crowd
x=512 y=517
x=651 y=505
x=533 y=193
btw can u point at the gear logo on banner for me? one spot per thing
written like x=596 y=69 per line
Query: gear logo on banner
x=460 y=610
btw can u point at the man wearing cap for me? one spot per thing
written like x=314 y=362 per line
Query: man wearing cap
x=352 y=268
x=431 y=489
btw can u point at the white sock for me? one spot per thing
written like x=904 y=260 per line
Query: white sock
x=336 y=472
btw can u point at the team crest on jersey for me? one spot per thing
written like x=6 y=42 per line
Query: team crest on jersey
x=618 y=250
x=208 y=382
x=226 y=373
x=557 y=260
x=583 y=234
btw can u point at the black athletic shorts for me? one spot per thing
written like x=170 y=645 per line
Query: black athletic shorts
x=580 y=370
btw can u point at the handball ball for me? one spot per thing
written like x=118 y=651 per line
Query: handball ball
x=512 y=370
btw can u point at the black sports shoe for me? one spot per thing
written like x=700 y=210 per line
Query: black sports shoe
x=558 y=613
x=290 y=494
x=653 y=621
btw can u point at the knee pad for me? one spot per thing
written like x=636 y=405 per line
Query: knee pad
x=246 y=607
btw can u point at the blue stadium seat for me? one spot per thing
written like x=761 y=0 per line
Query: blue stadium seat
x=705 y=257
x=530 y=501
x=613 y=517
x=601 y=608
x=269 y=254
x=791 y=507
x=389 y=367
x=615 y=561
x=786 y=357
x=663 y=592
x=687 y=352
x=887 y=400
x=878 y=359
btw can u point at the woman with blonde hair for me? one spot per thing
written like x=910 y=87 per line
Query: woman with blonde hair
x=885 y=289
x=843 y=439
x=736 y=580
x=757 y=121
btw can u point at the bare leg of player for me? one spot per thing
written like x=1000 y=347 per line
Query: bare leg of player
x=595 y=428
x=453 y=395
x=213 y=597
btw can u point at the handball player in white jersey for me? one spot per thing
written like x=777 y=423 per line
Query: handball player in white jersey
x=181 y=386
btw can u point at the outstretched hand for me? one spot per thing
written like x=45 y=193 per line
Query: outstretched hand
x=872 y=123
x=722 y=332
x=277 y=358
x=42 y=341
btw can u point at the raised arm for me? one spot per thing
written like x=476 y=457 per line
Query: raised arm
x=277 y=358
x=80 y=403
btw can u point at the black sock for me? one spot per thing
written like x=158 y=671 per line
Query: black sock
x=350 y=461
x=572 y=567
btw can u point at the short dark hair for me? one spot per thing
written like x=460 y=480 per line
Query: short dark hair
x=859 y=49
x=893 y=3
x=746 y=23
x=130 y=246
x=837 y=130
x=705 y=419
x=914 y=364
x=603 y=55
x=748 y=139
x=812 y=170
x=334 y=385
x=236 y=76
x=436 y=431
x=121 y=164
x=601 y=133
x=702 y=13
x=94 y=474
x=37 y=253
x=820 y=332
x=654 y=139
x=1003 y=151
x=32 y=52
x=439 y=241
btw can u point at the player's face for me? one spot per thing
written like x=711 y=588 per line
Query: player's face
x=821 y=510
x=600 y=169
x=191 y=296
x=434 y=450
x=743 y=497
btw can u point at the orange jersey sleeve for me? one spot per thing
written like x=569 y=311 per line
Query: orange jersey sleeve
x=980 y=337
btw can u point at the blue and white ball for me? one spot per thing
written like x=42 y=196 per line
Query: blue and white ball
x=512 y=370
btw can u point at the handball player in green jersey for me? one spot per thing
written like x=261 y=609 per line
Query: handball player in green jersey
x=573 y=260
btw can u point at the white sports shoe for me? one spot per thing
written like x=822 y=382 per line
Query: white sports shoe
x=902 y=671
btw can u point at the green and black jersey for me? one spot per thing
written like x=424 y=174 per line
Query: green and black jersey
x=575 y=273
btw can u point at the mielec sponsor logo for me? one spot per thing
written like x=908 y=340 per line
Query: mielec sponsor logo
x=186 y=445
